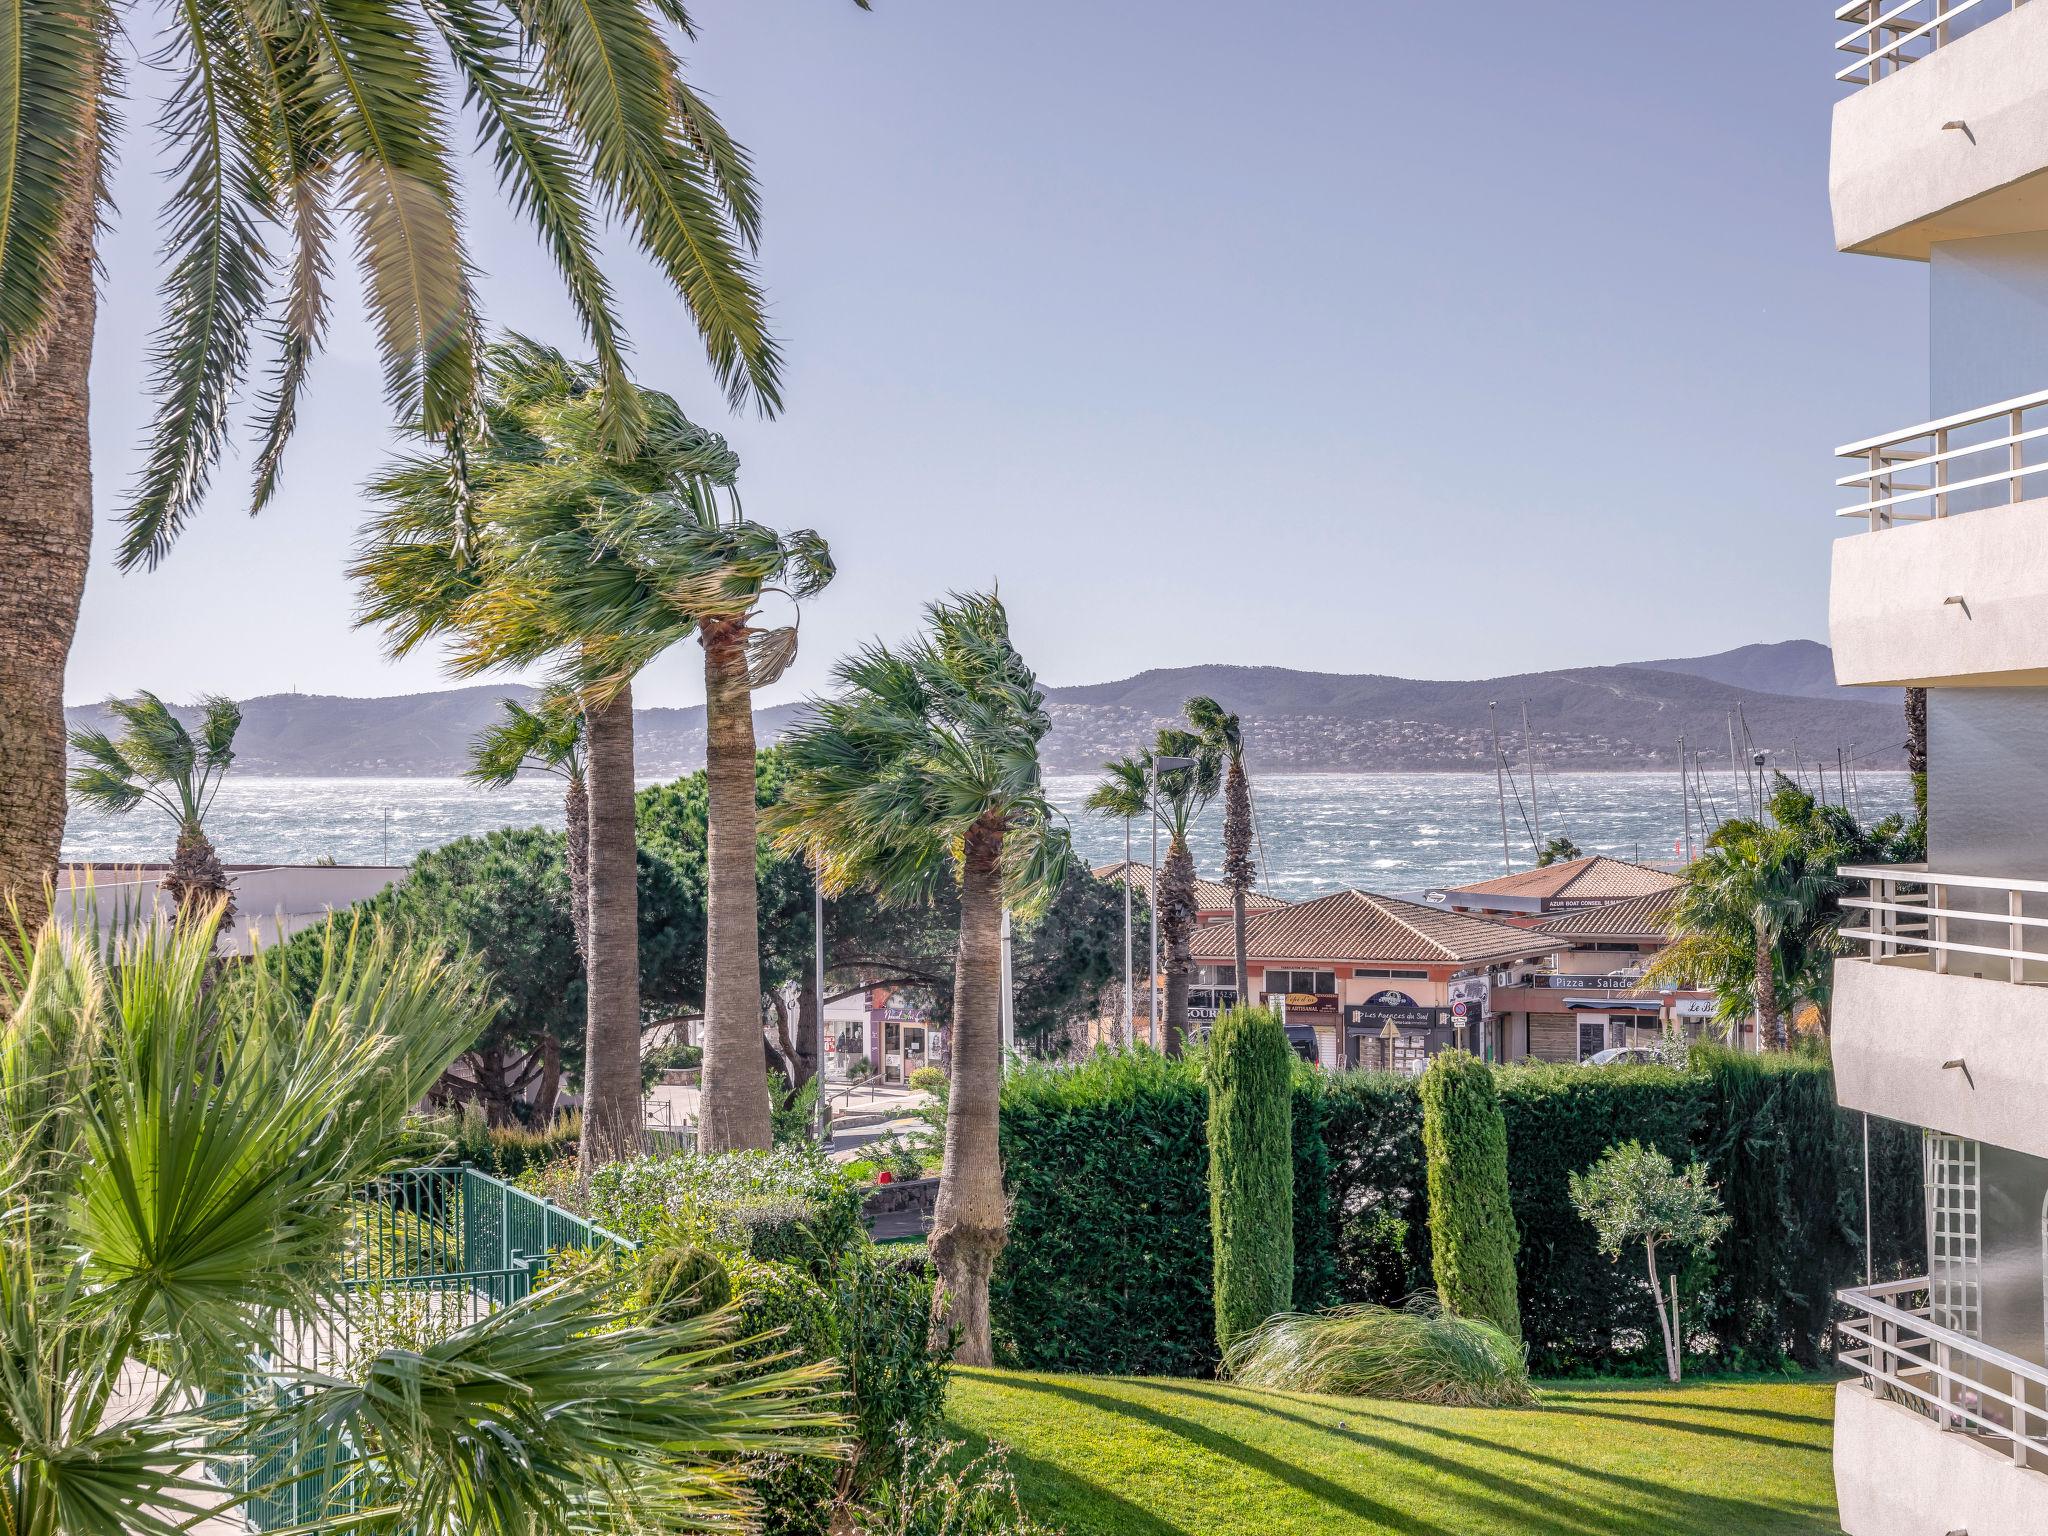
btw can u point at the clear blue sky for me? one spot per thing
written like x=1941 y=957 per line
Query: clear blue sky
x=1442 y=340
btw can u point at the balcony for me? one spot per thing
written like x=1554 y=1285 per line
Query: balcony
x=1948 y=585
x=1943 y=1021
x=1886 y=35
x=1936 y=1431
x=1943 y=137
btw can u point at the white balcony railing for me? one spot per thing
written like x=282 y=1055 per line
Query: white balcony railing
x=1890 y=1339
x=1957 y=464
x=1887 y=35
x=1951 y=916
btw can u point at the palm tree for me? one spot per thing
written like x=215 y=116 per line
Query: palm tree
x=1759 y=916
x=159 y=762
x=546 y=739
x=1223 y=735
x=1916 y=747
x=181 y=1158
x=551 y=548
x=293 y=133
x=925 y=767
x=1183 y=794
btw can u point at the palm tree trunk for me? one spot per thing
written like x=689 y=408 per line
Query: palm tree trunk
x=576 y=814
x=1176 y=926
x=611 y=1039
x=970 y=1224
x=45 y=544
x=197 y=880
x=1238 y=872
x=1770 y=1018
x=736 y=1113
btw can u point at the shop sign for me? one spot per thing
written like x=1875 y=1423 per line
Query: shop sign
x=1369 y=1016
x=1695 y=1007
x=1303 y=1002
x=1551 y=982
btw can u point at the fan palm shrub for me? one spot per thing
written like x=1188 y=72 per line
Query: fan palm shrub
x=924 y=768
x=157 y=761
x=296 y=138
x=551 y=548
x=1182 y=794
x=1413 y=1354
x=179 y=1155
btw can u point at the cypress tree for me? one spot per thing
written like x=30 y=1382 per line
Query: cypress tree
x=1250 y=1073
x=1471 y=1224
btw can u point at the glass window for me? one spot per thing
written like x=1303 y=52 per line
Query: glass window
x=1326 y=982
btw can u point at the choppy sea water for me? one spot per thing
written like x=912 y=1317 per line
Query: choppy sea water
x=1381 y=831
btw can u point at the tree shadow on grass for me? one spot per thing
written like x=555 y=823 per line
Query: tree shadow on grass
x=1568 y=1392
x=1334 y=1496
x=1649 y=1504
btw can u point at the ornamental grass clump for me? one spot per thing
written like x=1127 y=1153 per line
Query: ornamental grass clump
x=1413 y=1354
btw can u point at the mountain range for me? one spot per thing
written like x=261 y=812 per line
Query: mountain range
x=1780 y=697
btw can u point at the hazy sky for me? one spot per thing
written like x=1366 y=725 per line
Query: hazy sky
x=1442 y=340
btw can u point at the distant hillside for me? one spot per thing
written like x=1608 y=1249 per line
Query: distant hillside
x=1583 y=718
x=1586 y=717
x=1805 y=669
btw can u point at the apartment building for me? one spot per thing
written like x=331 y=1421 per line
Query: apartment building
x=1940 y=156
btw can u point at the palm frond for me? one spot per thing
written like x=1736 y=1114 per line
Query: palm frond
x=397 y=182
x=215 y=285
x=52 y=61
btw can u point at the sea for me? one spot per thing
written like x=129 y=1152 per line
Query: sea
x=1400 y=833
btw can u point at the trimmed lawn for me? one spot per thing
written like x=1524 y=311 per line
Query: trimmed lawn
x=1113 y=1456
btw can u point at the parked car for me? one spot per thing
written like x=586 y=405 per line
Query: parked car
x=1616 y=1055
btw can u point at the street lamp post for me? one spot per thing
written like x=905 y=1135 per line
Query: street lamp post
x=1130 y=1003
x=1152 y=795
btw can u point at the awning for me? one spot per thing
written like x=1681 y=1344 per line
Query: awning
x=1614 y=1004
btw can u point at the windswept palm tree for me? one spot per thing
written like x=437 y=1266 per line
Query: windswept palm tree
x=297 y=137
x=1223 y=735
x=557 y=551
x=925 y=768
x=180 y=1158
x=158 y=762
x=1183 y=794
x=546 y=739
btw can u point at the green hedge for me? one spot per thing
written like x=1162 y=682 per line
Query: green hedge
x=1109 y=1262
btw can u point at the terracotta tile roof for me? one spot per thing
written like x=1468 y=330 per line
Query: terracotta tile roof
x=1358 y=925
x=1593 y=878
x=1640 y=917
x=1210 y=895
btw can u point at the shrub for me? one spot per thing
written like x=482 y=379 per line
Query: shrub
x=1471 y=1222
x=1633 y=1195
x=869 y=1316
x=792 y=1119
x=811 y=1234
x=700 y=1197
x=1414 y=1354
x=681 y=1282
x=930 y=1080
x=1249 y=1068
x=505 y=1151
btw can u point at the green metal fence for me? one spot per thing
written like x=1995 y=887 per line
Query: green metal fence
x=435 y=1250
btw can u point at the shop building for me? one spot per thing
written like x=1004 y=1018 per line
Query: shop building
x=1371 y=981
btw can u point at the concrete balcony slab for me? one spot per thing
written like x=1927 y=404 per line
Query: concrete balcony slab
x=1900 y=179
x=1953 y=602
x=1898 y=1026
x=1898 y=1473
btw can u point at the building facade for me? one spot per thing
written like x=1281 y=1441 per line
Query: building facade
x=1940 y=155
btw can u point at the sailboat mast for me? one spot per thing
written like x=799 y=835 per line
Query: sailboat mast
x=1500 y=793
x=1535 y=810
